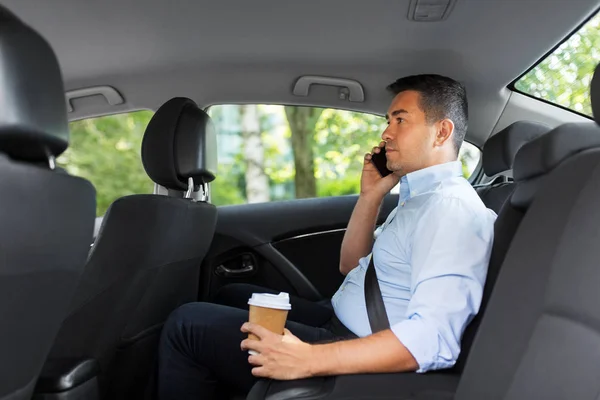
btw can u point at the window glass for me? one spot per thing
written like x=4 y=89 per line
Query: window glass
x=106 y=151
x=272 y=152
x=470 y=156
x=564 y=76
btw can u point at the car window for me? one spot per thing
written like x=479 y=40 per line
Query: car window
x=273 y=152
x=106 y=151
x=563 y=77
x=470 y=156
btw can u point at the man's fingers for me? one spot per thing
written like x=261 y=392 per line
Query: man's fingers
x=368 y=157
x=256 y=329
x=382 y=143
x=251 y=344
x=260 y=372
x=376 y=149
x=256 y=360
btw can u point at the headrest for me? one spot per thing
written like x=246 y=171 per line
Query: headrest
x=33 y=113
x=539 y=157
x=595 y=94
x=499 y=150
x=180 y=143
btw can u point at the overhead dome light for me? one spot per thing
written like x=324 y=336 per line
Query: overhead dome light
x=430 y=10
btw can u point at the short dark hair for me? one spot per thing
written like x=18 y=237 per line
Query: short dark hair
x=441 y=97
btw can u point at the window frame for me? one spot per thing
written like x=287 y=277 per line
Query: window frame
x=511 y=86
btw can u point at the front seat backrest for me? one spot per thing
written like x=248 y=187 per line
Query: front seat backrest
x=539 y=337
x=46 y=216
x=498 y=156
x=146 y=259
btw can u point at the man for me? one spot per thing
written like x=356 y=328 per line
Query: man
x=431 y=260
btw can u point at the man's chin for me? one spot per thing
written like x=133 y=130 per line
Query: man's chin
x=395 y=168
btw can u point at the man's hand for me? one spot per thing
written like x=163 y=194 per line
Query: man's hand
x=358 y=239
x=371 y=182
x=282 y=357
x=286 y=357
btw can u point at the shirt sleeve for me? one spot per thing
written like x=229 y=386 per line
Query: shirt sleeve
x=451 y=248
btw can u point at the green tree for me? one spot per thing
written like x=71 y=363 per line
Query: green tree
x=302 y=122
x=564 y=77
x=341 y=140
x=106 y=151
x=229 y=185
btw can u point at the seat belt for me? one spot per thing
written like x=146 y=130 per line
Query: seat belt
x=378 y=318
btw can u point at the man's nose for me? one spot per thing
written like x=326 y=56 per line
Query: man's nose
x=387 y=134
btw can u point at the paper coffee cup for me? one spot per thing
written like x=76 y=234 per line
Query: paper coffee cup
x=269 y=311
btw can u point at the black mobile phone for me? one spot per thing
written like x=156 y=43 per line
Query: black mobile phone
x=380 y=162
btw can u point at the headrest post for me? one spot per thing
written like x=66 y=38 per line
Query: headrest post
x=190 y=190
x=205 y=188
x=51 y=162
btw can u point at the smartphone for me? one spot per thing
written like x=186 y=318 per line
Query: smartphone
x=380 y=162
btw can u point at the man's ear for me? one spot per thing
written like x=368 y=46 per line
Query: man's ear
x=444 y=132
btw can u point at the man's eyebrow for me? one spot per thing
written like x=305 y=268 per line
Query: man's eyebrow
x=396 y=112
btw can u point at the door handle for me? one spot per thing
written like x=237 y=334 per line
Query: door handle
x=223 y=270
x=244 y=265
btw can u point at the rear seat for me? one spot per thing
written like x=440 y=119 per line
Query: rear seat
x=539 y=337
x=498 y=156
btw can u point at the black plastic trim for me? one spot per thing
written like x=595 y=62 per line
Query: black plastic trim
x=61 y=374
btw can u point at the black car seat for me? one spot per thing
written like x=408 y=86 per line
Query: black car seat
x=498 y=156
x=499 y=153
x=146 y=259
x=46 y=216
x=539 y=338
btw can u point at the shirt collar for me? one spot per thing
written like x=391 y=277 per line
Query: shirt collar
x=423 y=180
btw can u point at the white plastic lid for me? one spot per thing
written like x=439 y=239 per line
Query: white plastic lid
x=279 y=301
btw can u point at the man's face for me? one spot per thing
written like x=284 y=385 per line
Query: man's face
x=409 y=139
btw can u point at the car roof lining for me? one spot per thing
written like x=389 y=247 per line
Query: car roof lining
x=234 y=51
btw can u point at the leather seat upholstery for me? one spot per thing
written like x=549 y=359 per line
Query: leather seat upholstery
x=498 y=156
x=146 y=259
x=46 y=216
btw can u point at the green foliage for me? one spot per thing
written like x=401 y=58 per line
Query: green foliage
x=106 y=151
x=347 y=185
x=341 y=140
x=226 y=189
x=469 y=156
x=564 y=77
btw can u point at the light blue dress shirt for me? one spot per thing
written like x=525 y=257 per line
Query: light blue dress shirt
x=431 y=257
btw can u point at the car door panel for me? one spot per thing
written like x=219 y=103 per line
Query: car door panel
x=291 y=246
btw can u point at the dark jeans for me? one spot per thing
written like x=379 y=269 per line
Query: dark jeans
x=200 y=355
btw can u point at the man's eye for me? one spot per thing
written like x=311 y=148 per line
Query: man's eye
x=399 y=120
